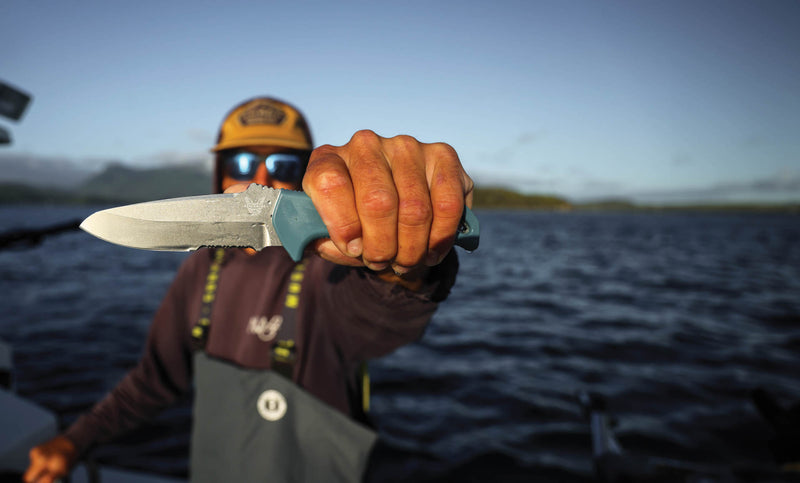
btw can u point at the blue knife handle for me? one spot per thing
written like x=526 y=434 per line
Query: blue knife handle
x=297 y=223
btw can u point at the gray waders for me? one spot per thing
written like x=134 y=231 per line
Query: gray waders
x=256 y=425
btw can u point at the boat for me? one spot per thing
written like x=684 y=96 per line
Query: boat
x=613 y=464
x=24 y=424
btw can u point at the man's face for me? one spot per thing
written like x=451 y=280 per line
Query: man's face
x=235 y=162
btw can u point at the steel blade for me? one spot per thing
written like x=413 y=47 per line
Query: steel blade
x=181 y=224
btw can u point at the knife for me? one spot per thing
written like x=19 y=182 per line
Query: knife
x=258 y=217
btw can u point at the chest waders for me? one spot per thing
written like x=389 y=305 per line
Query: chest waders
x=256 y=425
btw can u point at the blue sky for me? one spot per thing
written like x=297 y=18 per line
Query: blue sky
x=666 y=101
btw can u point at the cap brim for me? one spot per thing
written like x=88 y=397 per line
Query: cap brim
x=261 y=141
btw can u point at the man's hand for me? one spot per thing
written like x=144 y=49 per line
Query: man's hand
x=51 y=460
x=388 y=202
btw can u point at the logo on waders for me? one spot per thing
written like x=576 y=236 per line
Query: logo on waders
x=271 y=405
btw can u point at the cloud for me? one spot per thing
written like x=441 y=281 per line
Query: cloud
x=786 y=180
x=682 y=159
x=780 y=186
x=577 y=185
x=203 y=136
x=506 y=153
x=175 y=158
x=529 y=137
x=572 y=181
x=521 y=182
x=754 y=141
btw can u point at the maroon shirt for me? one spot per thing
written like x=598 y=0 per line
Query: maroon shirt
x=346 y=316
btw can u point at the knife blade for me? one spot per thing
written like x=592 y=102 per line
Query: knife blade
x=256 y=218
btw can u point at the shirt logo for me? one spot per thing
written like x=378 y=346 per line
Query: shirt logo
x=271 y=405
x=266 y=329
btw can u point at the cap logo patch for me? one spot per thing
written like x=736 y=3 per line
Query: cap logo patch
x=262 y=114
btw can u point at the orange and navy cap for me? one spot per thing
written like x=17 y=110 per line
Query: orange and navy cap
x=264 y=121
x=261 y=121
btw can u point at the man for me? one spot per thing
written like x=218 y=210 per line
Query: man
x=275 y=348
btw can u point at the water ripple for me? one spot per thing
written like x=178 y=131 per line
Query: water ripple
x=674 y=317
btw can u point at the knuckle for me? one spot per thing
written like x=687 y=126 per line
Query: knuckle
x=324 y=178
x=444 y=152
x=365 y=137
x=404 y=151
x=322 y=153
x=323 y=150
x=328 y=182
x=415 y=212
x=449 y=207
x=321 y=156
x=346 y=228
x=405 y=143
x=448 y=180
x=378 y=202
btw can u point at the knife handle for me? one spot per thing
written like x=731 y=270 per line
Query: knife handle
x=297 y=223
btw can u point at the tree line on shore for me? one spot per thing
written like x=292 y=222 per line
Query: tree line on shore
x=119 y=184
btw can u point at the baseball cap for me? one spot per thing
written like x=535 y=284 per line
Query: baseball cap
x=264 y=121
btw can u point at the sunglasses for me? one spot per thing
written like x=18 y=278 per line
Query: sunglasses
x=242 y=165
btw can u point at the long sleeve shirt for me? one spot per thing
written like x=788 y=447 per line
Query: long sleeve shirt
x=345 y=316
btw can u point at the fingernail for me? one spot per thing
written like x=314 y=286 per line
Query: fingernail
x=377 y=267
x=433 y=258
x=399 y=269
x=355 y=247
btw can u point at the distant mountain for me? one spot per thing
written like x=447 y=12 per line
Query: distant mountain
x=496 y=197
x=23 y=193
x=28 y=169
x=119 y=182
x=116 y=184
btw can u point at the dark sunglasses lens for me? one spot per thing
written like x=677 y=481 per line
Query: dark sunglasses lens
x=285 y=167
x=242 y=166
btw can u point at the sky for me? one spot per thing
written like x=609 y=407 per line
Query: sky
x=669 y=101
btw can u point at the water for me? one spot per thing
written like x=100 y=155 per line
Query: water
x=674 y=317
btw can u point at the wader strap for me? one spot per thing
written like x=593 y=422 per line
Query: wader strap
x=363 y=373
x=284 y=351
x=201 y=328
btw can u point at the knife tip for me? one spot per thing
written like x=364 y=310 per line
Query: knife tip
x=86 y=224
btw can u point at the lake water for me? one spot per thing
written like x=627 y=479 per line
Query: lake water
x=674 y=317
